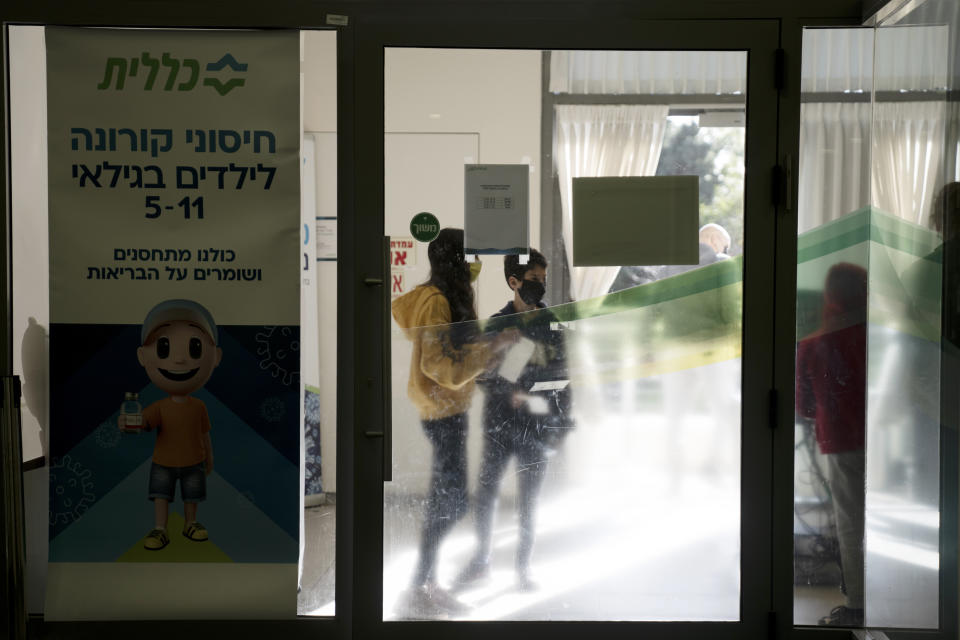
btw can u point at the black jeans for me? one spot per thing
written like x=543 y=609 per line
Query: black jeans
x=503 y=438
x=447 y=496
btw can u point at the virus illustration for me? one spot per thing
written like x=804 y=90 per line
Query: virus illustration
x=279 y=352
x=108 y=435
x=311 y=406
x=272 y=409
x=71 y=491
x=312 y=443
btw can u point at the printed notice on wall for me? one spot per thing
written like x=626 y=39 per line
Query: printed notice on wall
x=175 y=282
x=326 y=239
x=403 y=258
x=496 y=208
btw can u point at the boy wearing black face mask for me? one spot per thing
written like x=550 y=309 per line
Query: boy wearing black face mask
x=518 y=421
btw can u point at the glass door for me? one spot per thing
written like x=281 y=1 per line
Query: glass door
x=577 y=361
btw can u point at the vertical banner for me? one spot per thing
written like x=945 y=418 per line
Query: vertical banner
x=174 y=172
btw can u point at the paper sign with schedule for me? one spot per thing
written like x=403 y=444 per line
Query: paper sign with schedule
x=496 y=208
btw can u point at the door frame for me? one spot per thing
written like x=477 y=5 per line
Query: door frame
x=781 y=622
x=761 y=39
x=581 y=25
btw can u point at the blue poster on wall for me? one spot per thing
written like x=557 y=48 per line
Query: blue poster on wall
x=175 y=310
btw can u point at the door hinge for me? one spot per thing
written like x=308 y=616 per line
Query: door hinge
x=779 y=69
x=781 y=190
x=771 y=624
x=773 y=405
x=779 y=182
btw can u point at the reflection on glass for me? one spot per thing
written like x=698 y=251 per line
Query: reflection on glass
x=526 y=416
x=636 y=460
x=881 y=376
x=831 y=393
x=577 y=461
x=872 y=151
x=519 y=361
x=903 y=409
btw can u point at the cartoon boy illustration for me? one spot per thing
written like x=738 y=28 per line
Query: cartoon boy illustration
x=179 y=352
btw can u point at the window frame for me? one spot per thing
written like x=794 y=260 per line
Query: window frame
x=761 y=39
x=572 y=26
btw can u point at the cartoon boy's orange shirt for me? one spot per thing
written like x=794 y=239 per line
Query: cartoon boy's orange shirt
x=180 y=429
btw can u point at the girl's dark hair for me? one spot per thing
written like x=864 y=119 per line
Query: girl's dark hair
x=449 y=273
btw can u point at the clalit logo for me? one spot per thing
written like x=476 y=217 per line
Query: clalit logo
x=180 y=74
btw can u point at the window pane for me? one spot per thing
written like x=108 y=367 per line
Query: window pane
x=319 y=303
x=589 y=470
x=870 y=259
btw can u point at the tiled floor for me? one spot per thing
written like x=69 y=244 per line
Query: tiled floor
x=591 y=562
x=646 y=530
x=578 y=579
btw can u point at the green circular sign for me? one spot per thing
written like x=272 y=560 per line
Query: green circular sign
x=424 y=226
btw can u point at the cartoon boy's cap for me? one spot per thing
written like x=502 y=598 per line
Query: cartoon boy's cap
x=172 y=310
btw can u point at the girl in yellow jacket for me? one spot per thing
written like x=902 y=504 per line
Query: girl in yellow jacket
x=448 y=354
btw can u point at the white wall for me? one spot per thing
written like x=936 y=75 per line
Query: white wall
x=319 y=69
x=28 y=179
x=31 y=303
x=493 y=93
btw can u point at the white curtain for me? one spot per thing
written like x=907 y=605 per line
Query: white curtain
x=837 y=60
x=858 y=60
x=648 y=72
x=908 y=154
x=595 y=141
x=834 y=170
x=911 y=58
x=888 y=154
x=849 y=60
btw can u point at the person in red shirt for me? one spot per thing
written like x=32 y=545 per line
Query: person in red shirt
x=831 y=391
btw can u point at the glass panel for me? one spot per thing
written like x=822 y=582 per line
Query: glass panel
x=319 y=310
x=908 y=167
x=30 y=277
x=870 y=260
x=835 y=117
x=577 y=461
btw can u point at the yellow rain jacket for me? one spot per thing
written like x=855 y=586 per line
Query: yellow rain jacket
x=441 y=375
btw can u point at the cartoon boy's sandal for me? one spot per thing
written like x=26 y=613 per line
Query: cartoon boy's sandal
x=196 y=532
x=157 y=539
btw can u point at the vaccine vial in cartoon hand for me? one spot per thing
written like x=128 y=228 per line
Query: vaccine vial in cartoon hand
x=179 y=351
x=131 y=413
